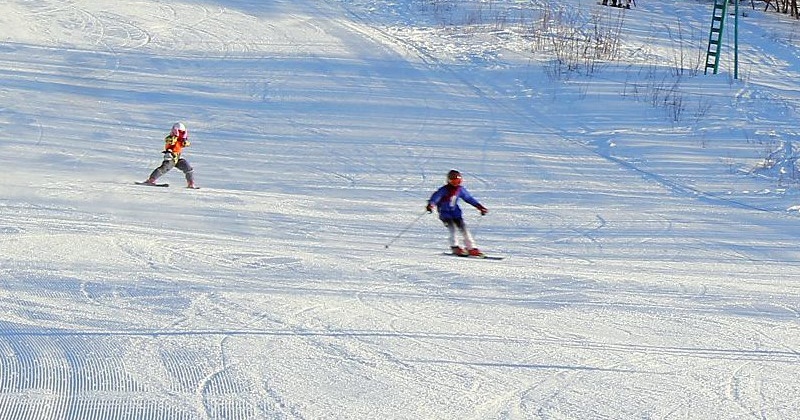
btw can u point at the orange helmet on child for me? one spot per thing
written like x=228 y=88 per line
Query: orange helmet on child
x=454 y=178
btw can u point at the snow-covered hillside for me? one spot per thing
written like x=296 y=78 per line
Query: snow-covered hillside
x=652 y=269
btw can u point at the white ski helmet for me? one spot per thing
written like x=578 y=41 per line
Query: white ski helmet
x=178 y=129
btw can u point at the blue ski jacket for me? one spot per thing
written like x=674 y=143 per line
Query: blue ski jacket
x=446 y=201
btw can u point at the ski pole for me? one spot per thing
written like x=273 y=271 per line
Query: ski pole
x=413 y=222
x=477 y=225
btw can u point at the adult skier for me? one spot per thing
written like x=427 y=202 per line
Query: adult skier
x=445 y=199
x=174 y=142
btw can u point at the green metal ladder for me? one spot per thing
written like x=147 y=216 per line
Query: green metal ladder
x=715 y=36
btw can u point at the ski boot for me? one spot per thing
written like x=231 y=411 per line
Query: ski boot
x=457 y=250
x=475 y=252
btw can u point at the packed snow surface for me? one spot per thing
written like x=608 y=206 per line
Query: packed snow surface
x=652 y=259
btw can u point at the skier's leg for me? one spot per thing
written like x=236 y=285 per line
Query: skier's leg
x=166 y=165
x=469 y=241
x=187 y=169
x=452 y=226
x=451 y=229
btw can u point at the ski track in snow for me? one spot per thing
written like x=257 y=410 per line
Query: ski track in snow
x=632 y=286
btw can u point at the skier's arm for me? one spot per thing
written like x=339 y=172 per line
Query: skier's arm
x=170 y=140
x=434 y=200
x=467 y=197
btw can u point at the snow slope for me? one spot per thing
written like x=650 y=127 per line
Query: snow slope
x=649 y=272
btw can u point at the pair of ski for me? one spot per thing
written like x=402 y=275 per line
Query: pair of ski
x=149 y=184
x=475 y=257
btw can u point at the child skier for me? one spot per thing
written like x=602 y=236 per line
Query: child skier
x=445 y=199
x=176 y=140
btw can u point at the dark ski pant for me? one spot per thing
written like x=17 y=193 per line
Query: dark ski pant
x=168 y=164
